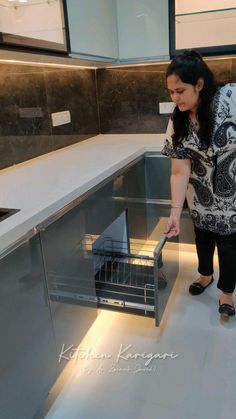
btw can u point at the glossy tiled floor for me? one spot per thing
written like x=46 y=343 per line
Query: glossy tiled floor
x=196 y=380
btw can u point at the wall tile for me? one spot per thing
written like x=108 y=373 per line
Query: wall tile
x=129 y=100
x=14 y=68
x=222 y=69
x=73 y=90
x=233 y=74
x=6 y=156
x=28 y=96
x=20 y=95
x=129 y=97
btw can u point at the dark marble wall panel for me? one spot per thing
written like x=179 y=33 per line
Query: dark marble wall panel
x=28 y=96
x=129 y=100
x=129 y=97
x=222 y=70
x=73 y=90
x=234 y=70
x=23 y=104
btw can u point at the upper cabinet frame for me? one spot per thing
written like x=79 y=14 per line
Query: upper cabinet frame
x=195 y=21
x=23 y=26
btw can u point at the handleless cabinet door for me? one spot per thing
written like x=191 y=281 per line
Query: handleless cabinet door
x=70 y=279
x=130 y=189
x=191 y=20
x=157 y=171
x=101 y=208
x=28 y=358
x=143 y=28
x=35 y=24
x=93 y=28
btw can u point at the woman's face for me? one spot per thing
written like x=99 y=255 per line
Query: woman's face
x=184 y=95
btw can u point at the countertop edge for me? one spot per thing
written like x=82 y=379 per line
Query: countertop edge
x=17 y=233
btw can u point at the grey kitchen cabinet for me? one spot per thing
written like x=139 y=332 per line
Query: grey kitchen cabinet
x=53 y=284
x=28 y=356
x=157 y=176
x=19 y=28
x=131 y=182
x=100 y=207
x=130 y=188
x=69 y=264
x=189 y=22
x=70 y=279
x=147 y=178
x=133 y=276
x=118 y=31
x=93 y=29
x=143 y=28
x=88 y=251
x=146 y=181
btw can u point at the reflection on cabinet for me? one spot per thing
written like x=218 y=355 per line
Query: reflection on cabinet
x=28 y=357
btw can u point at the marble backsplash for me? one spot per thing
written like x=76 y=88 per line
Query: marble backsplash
x=129 y=97
x=114 y=100
x=28 y=96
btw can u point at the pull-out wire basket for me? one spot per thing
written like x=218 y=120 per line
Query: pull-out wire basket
x=125 y=275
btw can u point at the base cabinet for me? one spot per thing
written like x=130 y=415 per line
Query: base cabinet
x=157 y=176
x=28 y=356
x=53 y=284
x=69 y=275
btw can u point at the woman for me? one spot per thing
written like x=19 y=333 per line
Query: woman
x=201 y=141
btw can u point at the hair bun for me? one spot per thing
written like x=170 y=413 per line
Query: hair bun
x=191 y=53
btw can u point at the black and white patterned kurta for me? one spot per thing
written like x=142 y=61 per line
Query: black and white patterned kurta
x=211 y=192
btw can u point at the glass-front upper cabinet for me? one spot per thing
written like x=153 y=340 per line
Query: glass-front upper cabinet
x=36 y=24
x=209 y=27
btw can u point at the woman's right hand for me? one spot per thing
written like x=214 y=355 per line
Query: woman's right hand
x=173 y=223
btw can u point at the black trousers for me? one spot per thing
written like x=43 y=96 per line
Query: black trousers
x=226 y=245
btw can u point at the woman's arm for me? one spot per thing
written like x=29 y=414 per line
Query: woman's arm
x=180 y=172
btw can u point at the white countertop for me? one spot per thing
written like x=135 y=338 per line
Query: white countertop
x=42 y=186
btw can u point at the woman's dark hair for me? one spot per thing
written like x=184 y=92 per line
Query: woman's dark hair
x=189 y=67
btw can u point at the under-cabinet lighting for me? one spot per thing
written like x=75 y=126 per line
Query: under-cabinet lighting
x=121 y=65
x=159 y=62
x=45 y=64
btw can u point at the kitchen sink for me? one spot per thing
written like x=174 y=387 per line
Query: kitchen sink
x=7 y=212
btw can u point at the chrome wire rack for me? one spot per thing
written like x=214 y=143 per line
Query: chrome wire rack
x=126 y=275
